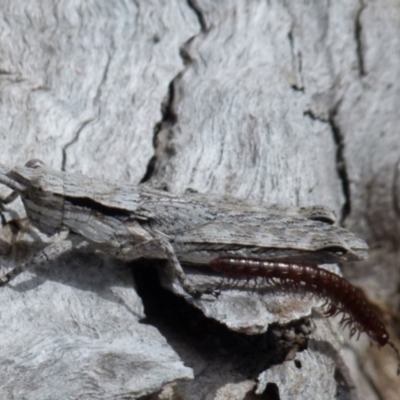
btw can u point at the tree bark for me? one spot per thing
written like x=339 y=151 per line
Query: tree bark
x=295 y=103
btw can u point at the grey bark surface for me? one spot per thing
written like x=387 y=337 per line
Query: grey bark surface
x=294 y=103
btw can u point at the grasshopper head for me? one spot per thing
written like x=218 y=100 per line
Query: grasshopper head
x=42 y=195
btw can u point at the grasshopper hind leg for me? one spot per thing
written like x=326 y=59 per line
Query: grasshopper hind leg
x=178 y=271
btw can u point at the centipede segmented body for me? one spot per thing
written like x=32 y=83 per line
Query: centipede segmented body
x=340 y=296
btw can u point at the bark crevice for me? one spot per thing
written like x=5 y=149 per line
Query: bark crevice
x=86 y=122
x=358 y=39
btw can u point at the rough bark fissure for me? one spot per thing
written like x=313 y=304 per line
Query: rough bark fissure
x=71 y=142
x=368 y=214
x=310 y=114
x=341 y=167
x=395 y=196
x=357 y=35
x=340 y=159
x=196 y=9
x=104 y=76
x=168 y=116
x=297 y=87
x=89 y=120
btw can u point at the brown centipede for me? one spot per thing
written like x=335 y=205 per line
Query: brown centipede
x=339 y=295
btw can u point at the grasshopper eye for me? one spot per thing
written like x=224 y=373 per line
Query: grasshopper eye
x=35 y=163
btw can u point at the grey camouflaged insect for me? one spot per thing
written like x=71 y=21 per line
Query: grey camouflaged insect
x=131 y=222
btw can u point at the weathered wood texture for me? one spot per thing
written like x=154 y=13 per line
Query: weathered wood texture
x=289 y=102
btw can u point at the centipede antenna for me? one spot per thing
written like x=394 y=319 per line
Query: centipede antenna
x=391 y=344
x=353 y=331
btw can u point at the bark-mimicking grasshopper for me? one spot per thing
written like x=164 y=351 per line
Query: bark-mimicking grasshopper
x=131 y=222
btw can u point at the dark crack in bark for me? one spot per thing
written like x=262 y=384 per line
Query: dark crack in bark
x=341 y=167
x=297 y=64
x=168 y=120
x=168 y=115
x=89 y=120
x=71 y=142
x=395 y=196
x=358 y=39
x=197 y=10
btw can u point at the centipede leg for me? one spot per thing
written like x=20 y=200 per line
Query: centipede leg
x=353 y=331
